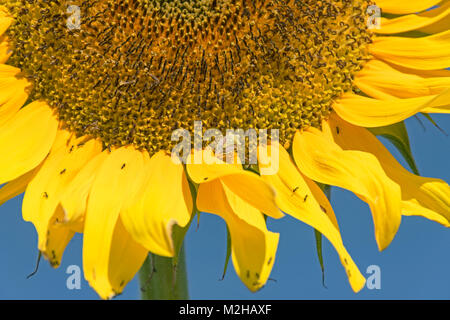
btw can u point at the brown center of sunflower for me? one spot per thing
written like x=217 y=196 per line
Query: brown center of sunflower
x=132 y=71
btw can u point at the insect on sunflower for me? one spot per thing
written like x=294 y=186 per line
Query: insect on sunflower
x=88 y=109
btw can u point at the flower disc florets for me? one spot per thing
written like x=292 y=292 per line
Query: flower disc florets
x=135 y=70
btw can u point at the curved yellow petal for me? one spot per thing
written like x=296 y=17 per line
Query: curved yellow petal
x=421 y=196
x=74 y=199
x=253 y=246
x=424 y=73
x=5 y=20
x=13 y=92
x=165 y=201
x=368 y=112
x=125 y=259
x=64 y=140
x=445 y=109
x=57 y=238
x=247 y=185
x=405 y=7
x=301 y=198
x=382 y=81
x=319 y=158
x=43 y=194
x=414 y=208
x=17 y=186
x=26 y=140
x=411 y=22
x=5 y=49
x=437 y=27
x=8 y=71
x=410 y=53
x=119 y=179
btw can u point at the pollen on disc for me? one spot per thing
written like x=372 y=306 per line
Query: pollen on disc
x=131 y=72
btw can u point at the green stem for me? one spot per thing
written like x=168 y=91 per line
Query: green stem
x=161 y=280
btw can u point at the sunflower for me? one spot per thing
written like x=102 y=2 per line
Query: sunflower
x=90 y=98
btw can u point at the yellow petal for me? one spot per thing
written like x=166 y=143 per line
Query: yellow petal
x=253 y=246
x=165 y=201
x=8 y=71
x=119 y=178
x=57 y=238
x=5 y=49
x=410 y=53
x=16 y=186
x=301 y=198
x=247 y=185
x=26 y=140
x=13 y=92
x=63 y=140
x=5 y=20
x=43 y=194
x=125 y=259
x=414 y=208
x=416 y=21
x=319 y=158
x=437 y=27
x=445 y=109
x=405 y=7
x=368 y=112
x=74 y=199
x=421 y=196
x=382 y=81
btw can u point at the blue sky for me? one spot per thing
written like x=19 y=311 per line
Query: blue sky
x=414 y=266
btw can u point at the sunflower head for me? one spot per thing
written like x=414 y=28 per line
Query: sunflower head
x=108 y=82
x=137 y=70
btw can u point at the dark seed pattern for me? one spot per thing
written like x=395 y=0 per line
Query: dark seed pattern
x=138 y=69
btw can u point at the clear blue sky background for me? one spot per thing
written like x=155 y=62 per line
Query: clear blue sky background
x=415 y=266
